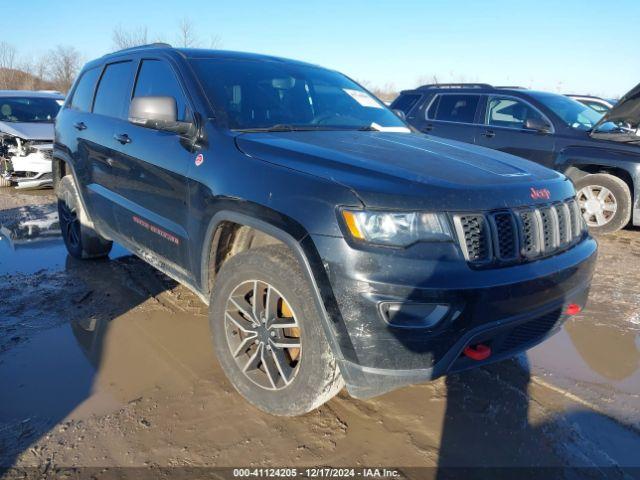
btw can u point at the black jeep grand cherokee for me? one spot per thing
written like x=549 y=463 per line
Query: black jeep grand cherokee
x=332 y=244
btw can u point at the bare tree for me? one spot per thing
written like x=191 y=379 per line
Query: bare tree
x=9 y=73
x=215 y=42
x=186 y=34
x=37 y=72
x=386 y=93
x=64 y=63
x=122 y=38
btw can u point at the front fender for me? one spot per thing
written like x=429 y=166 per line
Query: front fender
x=300 y=243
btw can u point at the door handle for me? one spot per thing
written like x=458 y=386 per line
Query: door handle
x=428 y=127
x=79 y=126
x=123 y=138
x=488 y=134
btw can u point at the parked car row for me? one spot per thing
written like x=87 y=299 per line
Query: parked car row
x=539 y=126
x=599 y=153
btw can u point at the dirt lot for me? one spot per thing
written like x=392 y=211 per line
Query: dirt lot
x=109 y=364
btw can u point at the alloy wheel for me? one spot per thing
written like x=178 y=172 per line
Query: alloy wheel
x=263 y=335
x=70 y=224
x=598 y=205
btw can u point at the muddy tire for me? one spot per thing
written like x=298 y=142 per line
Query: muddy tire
x=81 y=240
x=273 y=350
x=605 y=201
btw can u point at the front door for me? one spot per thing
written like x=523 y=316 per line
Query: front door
x=504 y=130
x=151 y=165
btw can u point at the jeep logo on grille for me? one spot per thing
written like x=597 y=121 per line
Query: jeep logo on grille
x=540 y=193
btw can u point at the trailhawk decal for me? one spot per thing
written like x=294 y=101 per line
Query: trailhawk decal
x=156 y=230
x=541 y=193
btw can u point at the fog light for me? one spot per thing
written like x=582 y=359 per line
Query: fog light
x=413 y=315
x=573 y=309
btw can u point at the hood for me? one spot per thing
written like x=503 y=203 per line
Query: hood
x=28 y=131
x=627 y=110
x=389 y=170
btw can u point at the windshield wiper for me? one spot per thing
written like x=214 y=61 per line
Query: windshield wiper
x=281 y=127
x=274 y=128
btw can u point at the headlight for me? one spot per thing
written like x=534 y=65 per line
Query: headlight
x=396 y=228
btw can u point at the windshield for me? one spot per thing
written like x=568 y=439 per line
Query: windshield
x=572 y=112
x=252 y=95
x=28 y=109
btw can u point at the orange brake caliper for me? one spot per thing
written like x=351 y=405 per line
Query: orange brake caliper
x=285 y=312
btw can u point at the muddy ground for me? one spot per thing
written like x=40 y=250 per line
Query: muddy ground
x=109 y=363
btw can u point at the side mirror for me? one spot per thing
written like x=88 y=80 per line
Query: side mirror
x=537 y=124
x=400 y=114
x=157 y=113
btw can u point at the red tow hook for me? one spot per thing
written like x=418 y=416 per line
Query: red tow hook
x=477 y=352
x=573 y=309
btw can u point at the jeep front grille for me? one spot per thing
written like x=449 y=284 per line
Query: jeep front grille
x=510 y=236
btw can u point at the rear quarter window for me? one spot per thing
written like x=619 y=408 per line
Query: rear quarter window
x=83 y=95
x=406 y=102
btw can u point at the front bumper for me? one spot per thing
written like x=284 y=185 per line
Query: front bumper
x=510 y=308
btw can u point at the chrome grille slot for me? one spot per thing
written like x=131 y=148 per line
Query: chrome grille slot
x=505 y=236
x=564 y=223
x=549 y=229
x=474 y=232
x=576 y=219
x=530 y=229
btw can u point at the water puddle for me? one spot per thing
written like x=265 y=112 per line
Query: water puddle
x=30 y=240
x=91 y=366
x=599 y=363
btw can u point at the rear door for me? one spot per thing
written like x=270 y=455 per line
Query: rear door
x=94 y=136
x=452 y=115
x=151 y=168
x=504 y=118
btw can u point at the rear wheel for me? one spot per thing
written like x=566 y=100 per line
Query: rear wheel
x=81 y=240
x=268 y=335
x=605 y=201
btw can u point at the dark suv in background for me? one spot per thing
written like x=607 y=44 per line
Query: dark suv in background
x=332 y=244
x=600 y=154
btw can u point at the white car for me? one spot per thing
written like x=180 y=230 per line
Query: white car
x=598 y=104
x=26 y=137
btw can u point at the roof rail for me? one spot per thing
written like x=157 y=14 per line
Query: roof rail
x=513 y=87
x=455 y=85
x=148 y=45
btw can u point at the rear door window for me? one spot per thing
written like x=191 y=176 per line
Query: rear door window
x=114 y=91
x=83 y=95
x=457 y=108
x=156 y=79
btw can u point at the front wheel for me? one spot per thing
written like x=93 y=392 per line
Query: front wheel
x=268 y=335
x=605 y=201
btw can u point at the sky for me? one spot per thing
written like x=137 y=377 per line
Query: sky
x=586 y=47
